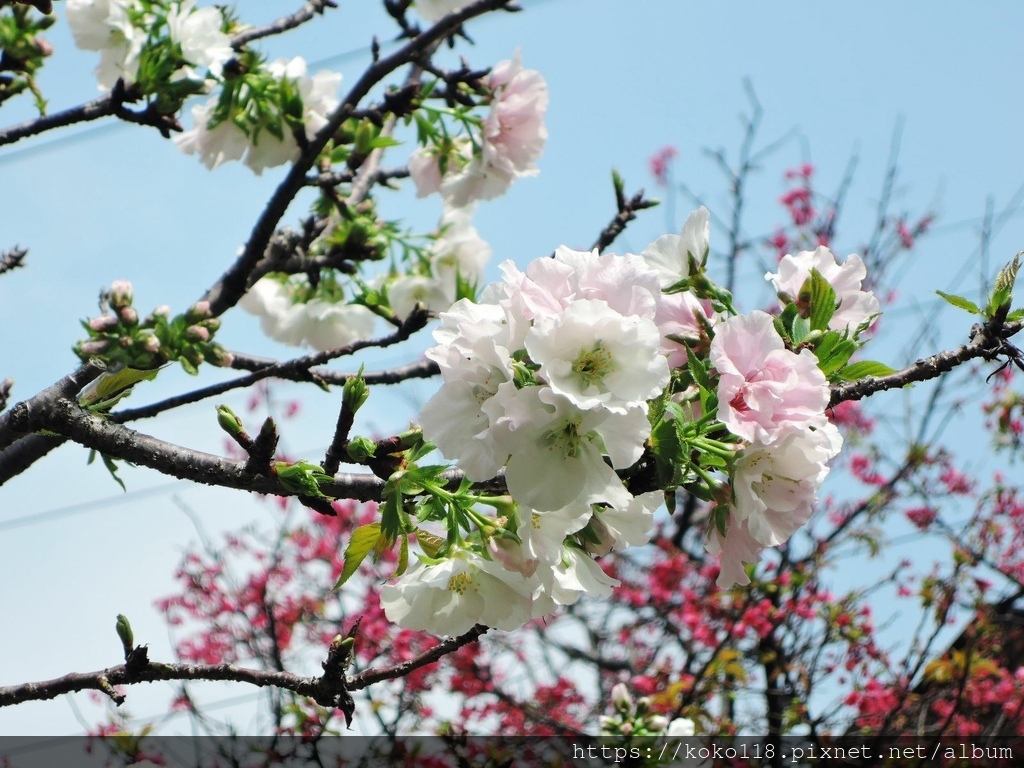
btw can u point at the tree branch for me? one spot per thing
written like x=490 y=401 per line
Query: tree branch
x=28 y=410
x=323 y=690
x=626 y=212
x=310 y=10
x=231 y=286
x=104 y=106
x=297 y=369
x=986 y=341
x=422 y=369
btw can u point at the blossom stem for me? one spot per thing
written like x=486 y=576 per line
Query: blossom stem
x=726 y=451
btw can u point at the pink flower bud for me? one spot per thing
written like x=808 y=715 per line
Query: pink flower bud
x=129 y=315
x=93 y=347
x=222 y=358
x=163 y=311
x=200 y=310
x=120 y=294
x=151 y=344
x=103 y=323
x=197 y=333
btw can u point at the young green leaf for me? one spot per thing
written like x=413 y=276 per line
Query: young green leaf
x=364 y=539
x=863 y=369
x=961 y=303
x=821 y=297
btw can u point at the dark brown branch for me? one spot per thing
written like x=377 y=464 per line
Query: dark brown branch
x=104 y=106
x=231 y=286
x=985 y=342
x=298 y=369
x=325 y=690
x=333 y=178
x=626 y=212
x=309 y=11
x=118 y=441
x=423 y=369
x=12 y=258
x=23 y=453
x=371 y=676
x=28 y=410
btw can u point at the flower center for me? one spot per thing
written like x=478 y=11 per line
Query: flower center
x=593 y=365
x=460 y=582
x=565 y=438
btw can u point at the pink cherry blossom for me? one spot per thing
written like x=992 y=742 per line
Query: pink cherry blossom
x=765 y=388
x=855 y=305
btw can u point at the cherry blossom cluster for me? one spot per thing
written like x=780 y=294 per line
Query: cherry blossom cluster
x=483 y=164
x=150 y=42
x=257 y=115
x=555 y=378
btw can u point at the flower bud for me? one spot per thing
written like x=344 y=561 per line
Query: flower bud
x=150 y=343
x=229 y=421
x=197 y=333
x=129 y=316
x=121 y=294
x=124 y=631
x=199 y=311
x=221 y=357
x=657 y=723
x=103 y=323
x=361 y=449
x=93 y=347
x=621 y=698
x=354 y=393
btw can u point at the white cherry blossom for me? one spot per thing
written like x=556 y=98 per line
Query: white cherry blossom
x=453 y=596
x=670 y=255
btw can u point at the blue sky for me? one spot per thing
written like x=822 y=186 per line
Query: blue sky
x=625 y=77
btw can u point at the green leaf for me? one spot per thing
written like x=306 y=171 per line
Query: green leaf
x=667 y=446
x=1017 y=314
x=801 y=327
x=403 y=557
x=863 y=369
x=784 y=322
x=301 y=477
x=364 y=539
x=112 y=469
x=111 y=387
x=821 y=297
x=961 y=303
x=429 y=543
x=837 y=357
x=698 y=370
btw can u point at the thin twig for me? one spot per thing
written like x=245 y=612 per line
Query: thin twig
x=298 y=369
x=309 y=11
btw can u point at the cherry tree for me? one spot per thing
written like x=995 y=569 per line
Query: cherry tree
x=609 y=515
